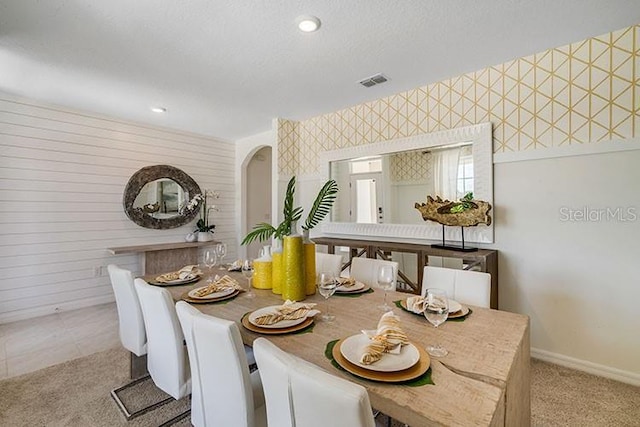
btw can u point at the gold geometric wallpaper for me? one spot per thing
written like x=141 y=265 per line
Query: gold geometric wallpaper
x=585 y=92
x=410 y=166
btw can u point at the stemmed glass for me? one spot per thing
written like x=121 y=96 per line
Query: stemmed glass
x=247 y=271
x=385 y=279
x=210 y=259
x=436 y=310
x=221 y=251
x=327 y=285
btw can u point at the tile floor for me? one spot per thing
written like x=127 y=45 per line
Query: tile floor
x=32 y=344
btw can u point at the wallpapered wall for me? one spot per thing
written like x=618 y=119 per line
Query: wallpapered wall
x=584 y=92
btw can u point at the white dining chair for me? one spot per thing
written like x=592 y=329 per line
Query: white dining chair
x=231 y=396
x=132 y=336
x=464 y=286
x=186 y=313
x=298 y=393
x=365 y=270
x=328 y=262
x=167 y=359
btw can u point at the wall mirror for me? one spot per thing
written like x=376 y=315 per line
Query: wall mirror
x=156 y=197
x=381 y=182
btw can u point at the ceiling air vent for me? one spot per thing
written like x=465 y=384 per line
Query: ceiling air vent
x=376 y=79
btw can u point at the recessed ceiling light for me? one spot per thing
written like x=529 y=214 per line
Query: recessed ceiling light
x=158 y=109
x=307 y=23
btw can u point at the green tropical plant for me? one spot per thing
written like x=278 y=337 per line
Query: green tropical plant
x=321 y=207
x=466 y=202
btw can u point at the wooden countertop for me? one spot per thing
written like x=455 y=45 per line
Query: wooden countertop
x=159 y=247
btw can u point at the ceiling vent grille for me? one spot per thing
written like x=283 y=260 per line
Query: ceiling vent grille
x=376 y=79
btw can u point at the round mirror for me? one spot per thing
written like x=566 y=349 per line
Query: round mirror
x=158 y=196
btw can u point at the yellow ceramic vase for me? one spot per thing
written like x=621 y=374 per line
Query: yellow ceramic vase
x=262 y=274
x=309 y=267
x=276 y=272
x=293 y=287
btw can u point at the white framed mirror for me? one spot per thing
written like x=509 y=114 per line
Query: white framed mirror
x=381 y=182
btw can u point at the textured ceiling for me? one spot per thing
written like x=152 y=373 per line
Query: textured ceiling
x=225 y=68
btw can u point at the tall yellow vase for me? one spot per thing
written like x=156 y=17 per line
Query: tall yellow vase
x=293 y=287
x=309 y=249
x=276 y=267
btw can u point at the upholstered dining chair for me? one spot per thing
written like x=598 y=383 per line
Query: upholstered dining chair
x=365 y=270
x=298 y=393
x=328 y=262
x=230 y=395
x=464 y=286
x=167 y=359
x=132 y=335
x=186 y=314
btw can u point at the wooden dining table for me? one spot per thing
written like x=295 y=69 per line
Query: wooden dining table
x=483 y=381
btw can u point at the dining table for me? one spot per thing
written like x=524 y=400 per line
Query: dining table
x=484 y=380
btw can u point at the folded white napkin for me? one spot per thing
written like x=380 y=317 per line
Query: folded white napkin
x=290 y=310
x=388 y=338
x=416 y=304
x=235 y=265
x=188 y=272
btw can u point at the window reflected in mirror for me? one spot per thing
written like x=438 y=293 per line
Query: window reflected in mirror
x=161 y=198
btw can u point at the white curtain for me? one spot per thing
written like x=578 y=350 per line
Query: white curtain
x=445 y=173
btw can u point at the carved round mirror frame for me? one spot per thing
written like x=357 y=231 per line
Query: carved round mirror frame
x=150 y=174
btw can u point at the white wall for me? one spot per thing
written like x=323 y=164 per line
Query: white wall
x=577 y=280
x=62 y=176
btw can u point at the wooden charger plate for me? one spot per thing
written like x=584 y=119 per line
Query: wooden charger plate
x=460 y=313
x=388 y=377
x=274 y=331
x=185 y=297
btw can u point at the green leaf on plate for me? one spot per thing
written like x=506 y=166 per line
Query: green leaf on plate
x=354 y=295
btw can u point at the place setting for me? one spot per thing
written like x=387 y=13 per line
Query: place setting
x=348 y=286
x=186 y=275
x=220 y=289
x=280 y=319
x=383 y=354
x=416 y=305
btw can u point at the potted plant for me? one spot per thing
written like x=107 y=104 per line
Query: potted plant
x=203 y=228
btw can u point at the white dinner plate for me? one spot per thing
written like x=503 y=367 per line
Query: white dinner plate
x=214 y=295
x=358 y=286
x=353 y=347
x=280 y=324
x=454 y=306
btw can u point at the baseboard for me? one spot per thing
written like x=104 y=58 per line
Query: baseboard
x=30 y=313
x=588 y=367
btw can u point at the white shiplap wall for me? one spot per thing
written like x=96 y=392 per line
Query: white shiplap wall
x=62 y=177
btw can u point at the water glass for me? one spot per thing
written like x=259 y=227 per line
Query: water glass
x=221 y=251
x=436 y=310
x=247 y=271
x=385 y=279
x=210 y=259
x=327 y=285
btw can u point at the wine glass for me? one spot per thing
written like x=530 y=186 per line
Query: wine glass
x=327 y=285
x=221 y=251
x=210 y=259
x=385 y=279
x=436 y=310
x=247 y=271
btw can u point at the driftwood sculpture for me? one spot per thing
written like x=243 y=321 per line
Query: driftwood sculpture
x=465 y=213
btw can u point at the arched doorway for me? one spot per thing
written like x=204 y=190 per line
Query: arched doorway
x=257 y=195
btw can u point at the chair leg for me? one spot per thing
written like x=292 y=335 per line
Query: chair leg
x=125 y=411
x=138 y=366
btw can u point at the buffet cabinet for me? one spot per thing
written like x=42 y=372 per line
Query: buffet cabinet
x=485 y=260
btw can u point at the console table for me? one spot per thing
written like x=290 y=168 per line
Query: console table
x=162 y=257
x=485 y=259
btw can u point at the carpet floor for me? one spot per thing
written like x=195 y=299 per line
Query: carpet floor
x=76 y=393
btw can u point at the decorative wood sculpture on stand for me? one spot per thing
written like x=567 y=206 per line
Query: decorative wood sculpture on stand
x=464 y=213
